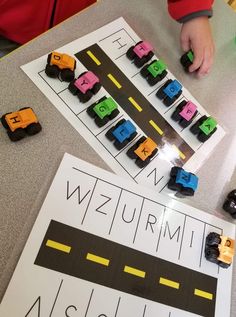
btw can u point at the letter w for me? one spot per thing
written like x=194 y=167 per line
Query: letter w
x=77 y=189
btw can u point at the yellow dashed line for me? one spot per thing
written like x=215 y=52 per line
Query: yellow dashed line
x=58 y=246
x=112 y=78
x=181 y=154
x=94 y=58
x=134 y=103
x=200 y=293
x=169 y=283
x=97 y=259
x=155 y=126
x=133 y=271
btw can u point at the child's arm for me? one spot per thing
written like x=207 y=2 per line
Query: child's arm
x=195 y=32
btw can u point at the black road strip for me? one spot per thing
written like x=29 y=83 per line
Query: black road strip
x=121 y=96
x=145 y=284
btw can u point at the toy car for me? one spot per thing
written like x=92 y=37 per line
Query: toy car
x=169 y=92
x=230 y=203
x=219 y=249
x=85 y=86
x=123 y=133
x=20 y=123
x=103 y=110
x=187 y=59
x=184 y=113
x=61 y=65
x=154 y=72
x=140 y=53
x=143 y=151
x=183 y=182
x=204 y=128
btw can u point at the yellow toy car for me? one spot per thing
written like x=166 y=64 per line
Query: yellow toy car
x=143 y=151
x=20 y=123
x=61 y=65
x=219 y=249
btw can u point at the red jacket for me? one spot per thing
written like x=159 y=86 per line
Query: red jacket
x=22 y=20
x=184 y=10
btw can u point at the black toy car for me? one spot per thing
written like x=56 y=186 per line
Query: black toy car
x=230 y=203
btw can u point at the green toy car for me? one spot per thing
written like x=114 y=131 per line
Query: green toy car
x=103 y=110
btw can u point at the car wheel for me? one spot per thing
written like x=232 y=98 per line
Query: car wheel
x=133 y=135
x=152 y=80
x=187 y=191
x=119 y=146
x=101 y=122
x=24 y=108
x=213 y=239
x=139 y=62
x=109 y=134
x=174 y=171
x=96 y=88
x=176 y=116
x=223 y=265
x=49 y=58
x=184 y=123
x=90 y=111
x=173 y=185
x=4 y=122
x=160 y=92
x=144 y=71
x=212 y=254
x=141 y=164
x=195 y=128
x=34 y=128
x=230 y=207
x=72 y=88
x=84 y=97
x=131 y=154
x=52 y=71
x=130 y=53
x=154 y=152
x=149 y=56
x=141 y=140
x=16 y=135
x=114 y=114
x=232 y=195
x=67 y=75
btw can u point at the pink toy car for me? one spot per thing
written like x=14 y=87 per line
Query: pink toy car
x=141 y=53
x=184 y=113
x=85 y=86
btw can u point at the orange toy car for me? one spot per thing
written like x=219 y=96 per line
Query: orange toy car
x=20 y=123
x=61 y=65
x=219 y=249
x=142 y=151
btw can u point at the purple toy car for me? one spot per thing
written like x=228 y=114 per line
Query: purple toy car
x=141 y=53
x=85 y=86
x=184 y=113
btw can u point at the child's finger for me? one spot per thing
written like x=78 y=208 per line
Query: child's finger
x=206 y=64
x=185 y=44
x=198 y=60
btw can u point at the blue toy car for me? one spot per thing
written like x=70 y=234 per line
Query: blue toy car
x=123 y=133
x=183 y=182
x=169 y=92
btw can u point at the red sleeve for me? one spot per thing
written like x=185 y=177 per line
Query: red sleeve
x=179 y=9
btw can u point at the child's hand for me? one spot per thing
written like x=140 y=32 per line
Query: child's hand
x=196 y=35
